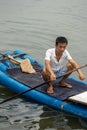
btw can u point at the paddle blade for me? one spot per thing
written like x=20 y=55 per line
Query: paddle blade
x=26 y=66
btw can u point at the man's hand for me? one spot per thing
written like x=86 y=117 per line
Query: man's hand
x=81 y=76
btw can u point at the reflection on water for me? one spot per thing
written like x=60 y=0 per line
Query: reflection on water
x=25 y=115
x=33 y=25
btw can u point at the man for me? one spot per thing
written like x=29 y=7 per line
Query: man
x=54 y=64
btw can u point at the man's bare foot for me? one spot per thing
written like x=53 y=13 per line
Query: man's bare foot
x=50 y=90
x=64 y=84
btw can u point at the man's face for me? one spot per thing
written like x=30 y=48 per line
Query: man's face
x=61 y=47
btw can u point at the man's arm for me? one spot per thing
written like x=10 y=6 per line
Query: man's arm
x=75 y=65
x=49 y=69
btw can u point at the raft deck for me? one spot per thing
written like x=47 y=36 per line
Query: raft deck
x=60 y=92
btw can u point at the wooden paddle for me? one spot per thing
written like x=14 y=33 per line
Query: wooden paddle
x=14 y=56
x=25 y=64
x=19 y=94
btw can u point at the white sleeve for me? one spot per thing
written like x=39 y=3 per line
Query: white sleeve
x=68 y=56
x=47 y=54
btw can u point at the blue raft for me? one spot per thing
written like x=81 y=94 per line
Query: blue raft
x=55 y=101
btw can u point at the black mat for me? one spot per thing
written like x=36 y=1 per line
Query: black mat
x=33 y=80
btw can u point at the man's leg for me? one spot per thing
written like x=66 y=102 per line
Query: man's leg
x=62 y=82
x=46 y=77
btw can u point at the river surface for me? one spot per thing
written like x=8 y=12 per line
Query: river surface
x=32 y=26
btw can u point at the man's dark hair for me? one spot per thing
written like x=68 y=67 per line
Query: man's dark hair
x=61 y=40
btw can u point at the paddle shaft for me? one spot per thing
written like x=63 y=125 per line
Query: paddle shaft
x=72 y=70
x=18 y=55
x=19 y=94
x=10 y=58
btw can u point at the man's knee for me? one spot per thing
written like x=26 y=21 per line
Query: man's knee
x=69 y=67
x=45 y=74
x=43 y=71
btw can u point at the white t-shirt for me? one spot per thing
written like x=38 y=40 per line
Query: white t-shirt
x=55 y=64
